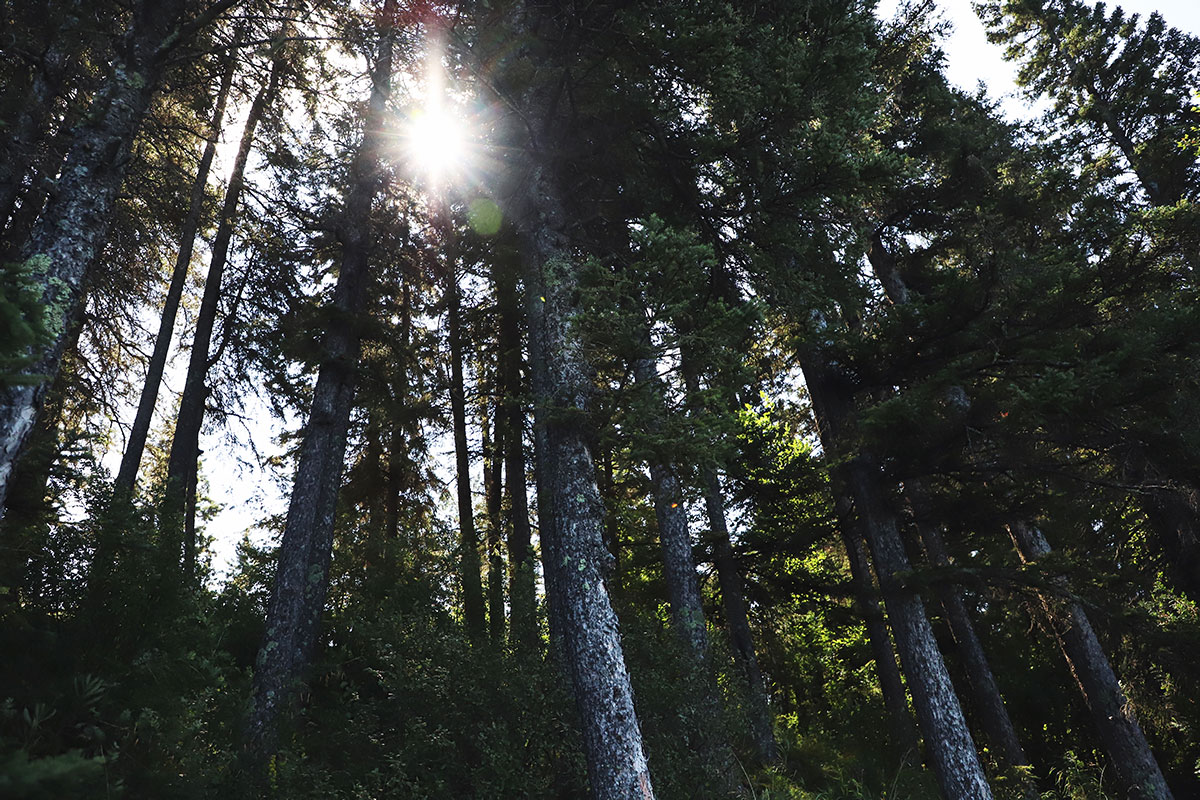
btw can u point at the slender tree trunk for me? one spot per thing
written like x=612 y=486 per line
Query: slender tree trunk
x=679 y=570
x=185 y=444
x=134 y=447
x=493 y=485
x=737 y=618
x=683 y=588
x=905 y=742
x=612 y=530
x=302 y=575
x=397 y=442
x=994 y=719
x=522 y=579
x=469 y=562
x=617 y=767
x=947 y=740
x=1113 y=714
x=733 y=596
x=374 y=501
x=73 y=228
x=549 y=537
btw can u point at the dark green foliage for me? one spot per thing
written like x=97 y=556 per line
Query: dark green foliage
x=22 y=327
x=1012 y=312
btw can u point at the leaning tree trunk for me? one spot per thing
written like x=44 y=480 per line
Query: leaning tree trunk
x=679 y=568
x=617 y=767
x=947 y=739
x=138 y=432
x=904 y=739
x=737 y=618
x=993 y=715
x=185 y=444
x=733 y=596
x=73 y=228
x=41 y=182
x=302 y=574
x=469 y=563
x=1112 y=713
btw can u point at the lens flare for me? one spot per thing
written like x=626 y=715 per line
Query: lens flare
x=436 y=143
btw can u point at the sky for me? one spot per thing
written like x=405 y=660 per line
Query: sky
x=248 y=492
x=971 y=58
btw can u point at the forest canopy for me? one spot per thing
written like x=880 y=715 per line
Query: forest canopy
x=678 y=400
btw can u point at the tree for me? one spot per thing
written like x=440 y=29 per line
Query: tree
x=573 y=547
x=134 y=447
x=72 y=228
x=302 y=576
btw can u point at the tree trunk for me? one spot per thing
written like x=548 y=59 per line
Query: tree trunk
x=131 y=459
x=617 y=767
x=612 y=529
x=185 y=444
x=469 y=562
x=493 y=485
x=733 y=603
x=548 y=536
x=733 y=596
x=1113 y=714
x=993 y=716
x=947 y=740
x=679 y=570
x=397 y=441
x=522 y=578
x=42 y=179
x=904 y=739
x=302 y=575
x=73 y=228
x=24 y=527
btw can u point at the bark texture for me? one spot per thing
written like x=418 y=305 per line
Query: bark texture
x=302 y=575
x=73 y=228
x=1112 y=713
x=679 y=570
x=34 y=118
x=617 y=767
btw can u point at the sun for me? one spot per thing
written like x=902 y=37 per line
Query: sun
x=436 y=143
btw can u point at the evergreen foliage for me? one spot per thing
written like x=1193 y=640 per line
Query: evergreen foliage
x=799 y=381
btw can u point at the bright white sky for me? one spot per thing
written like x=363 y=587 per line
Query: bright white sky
x=248 y=493
x=971 y=58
